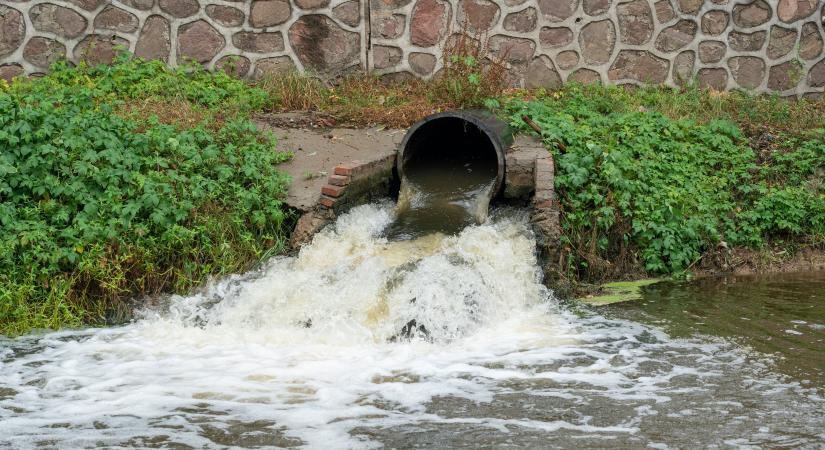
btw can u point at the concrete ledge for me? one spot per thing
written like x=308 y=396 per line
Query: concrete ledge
x=529 y=180
x=351 y=184
x=545 y=216
x=520 y=159
x=318 y=151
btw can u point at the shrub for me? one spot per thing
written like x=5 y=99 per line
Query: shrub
x=97 y=206
x=470 y=73
x=635 y=184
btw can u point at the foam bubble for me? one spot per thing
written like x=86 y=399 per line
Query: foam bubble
x=311 y=350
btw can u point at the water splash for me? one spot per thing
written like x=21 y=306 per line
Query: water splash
x=305 y=351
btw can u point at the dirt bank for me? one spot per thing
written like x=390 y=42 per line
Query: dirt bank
x=745 y=261
x=319 y=143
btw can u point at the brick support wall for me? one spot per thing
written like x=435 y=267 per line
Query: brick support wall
x=762 y=45
x=528 y=180
x=530 y=176
x=351 y=184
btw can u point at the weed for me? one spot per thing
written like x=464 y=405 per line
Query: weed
x=469 y=77
x=310 y=175
x=638 y=186
x=294 y=91
x=465 y=81
x=127 y=180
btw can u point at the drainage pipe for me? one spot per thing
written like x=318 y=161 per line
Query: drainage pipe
x=468 y=135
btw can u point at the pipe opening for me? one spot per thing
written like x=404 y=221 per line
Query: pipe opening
x=453 y=149
x=451 y=166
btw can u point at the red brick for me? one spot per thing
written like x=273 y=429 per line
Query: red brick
x=338 y=180
x=326 y=201
x=348 y=169
x=343 y=169
x=332 y=191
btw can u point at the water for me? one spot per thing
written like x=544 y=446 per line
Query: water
x=446 y=191
x=428 y=205
x=782 y=315
x=318 y=351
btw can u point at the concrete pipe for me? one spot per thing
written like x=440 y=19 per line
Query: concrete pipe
x=456 y=137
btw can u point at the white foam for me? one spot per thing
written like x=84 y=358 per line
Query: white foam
x=304 y=344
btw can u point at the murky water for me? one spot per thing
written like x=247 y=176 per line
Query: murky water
x=441 y=202
x=358 y=342
x=445 y=191
x=781 y=314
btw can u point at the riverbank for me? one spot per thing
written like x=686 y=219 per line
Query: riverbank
x=313 y=130
x=138 y=180
x=653 y=181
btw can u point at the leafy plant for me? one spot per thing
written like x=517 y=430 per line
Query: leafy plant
x=636 y=185
x=98 y=205
x=470 y=75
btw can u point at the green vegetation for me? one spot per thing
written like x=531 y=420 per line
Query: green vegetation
x=469 y=76
x=136 y=179
x=128 y=180
x=650 y=178
x=619 y=291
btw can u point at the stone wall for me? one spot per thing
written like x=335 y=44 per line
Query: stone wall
x=724 y=44
x=325 y=36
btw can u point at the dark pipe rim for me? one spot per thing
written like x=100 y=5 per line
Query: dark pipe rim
x=485 y=120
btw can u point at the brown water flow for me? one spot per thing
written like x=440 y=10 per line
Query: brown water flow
x=447 y=186
x=443 y=199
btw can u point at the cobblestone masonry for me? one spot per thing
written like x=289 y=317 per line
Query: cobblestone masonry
x=764 y=45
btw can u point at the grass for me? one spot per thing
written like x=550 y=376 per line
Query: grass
x=355 y=101
x=369 y=100
x=468 y=79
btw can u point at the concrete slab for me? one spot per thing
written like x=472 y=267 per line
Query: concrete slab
x=318 y=150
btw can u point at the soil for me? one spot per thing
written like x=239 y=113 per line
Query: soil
x=298 y=119
x=745 y=261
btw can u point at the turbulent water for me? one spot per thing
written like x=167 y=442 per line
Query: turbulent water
x=358 y=342
x=426 y=208
x=444 y=194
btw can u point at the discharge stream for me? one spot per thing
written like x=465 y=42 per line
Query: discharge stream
x=360 y=341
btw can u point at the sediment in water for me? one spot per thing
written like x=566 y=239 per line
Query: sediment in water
x=301 y=351
x=442 y=200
